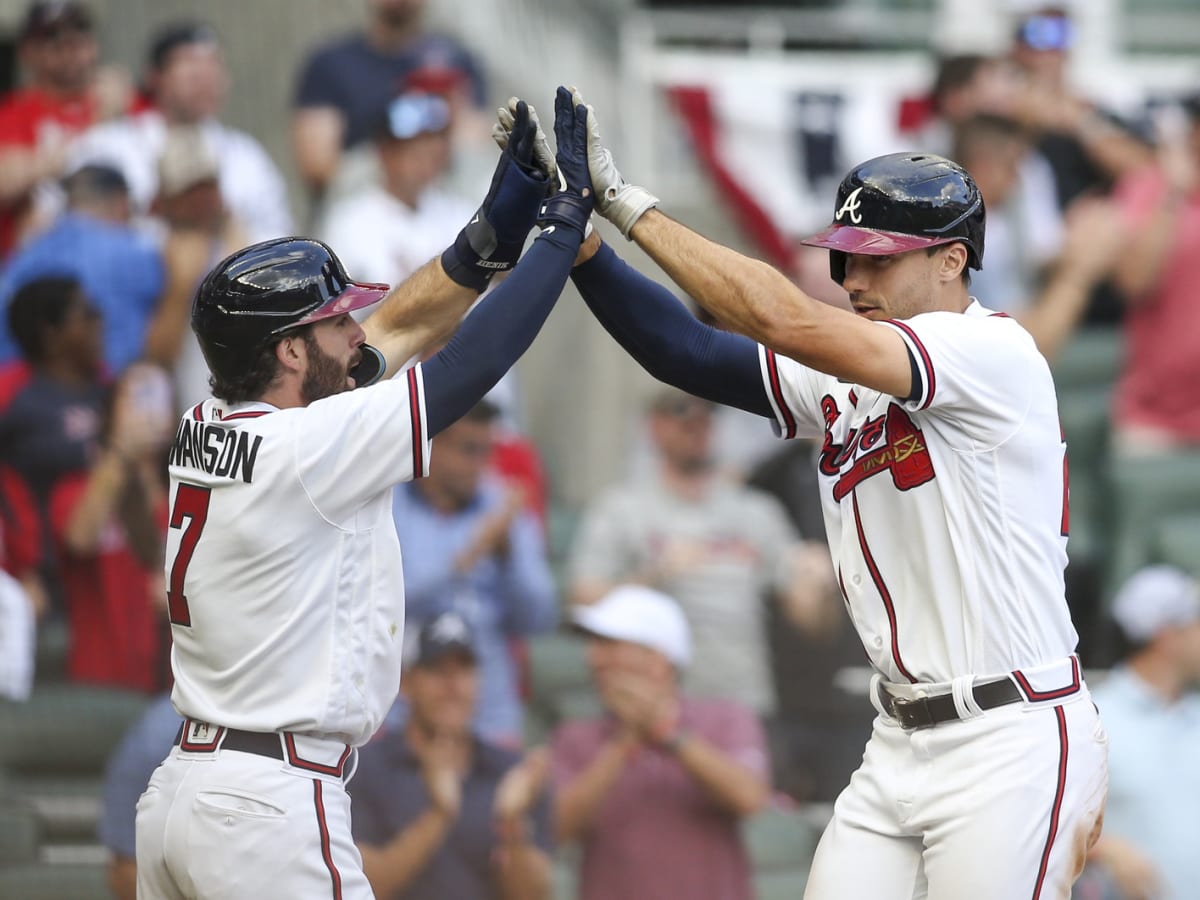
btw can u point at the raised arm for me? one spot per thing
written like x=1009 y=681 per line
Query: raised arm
x=748 y=295
x=505 y=323
x=423 y=311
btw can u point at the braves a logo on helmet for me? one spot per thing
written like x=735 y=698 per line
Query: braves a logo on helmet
x=904 y=454
x=850 y=208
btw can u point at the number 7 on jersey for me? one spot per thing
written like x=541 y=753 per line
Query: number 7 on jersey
x=191 y=503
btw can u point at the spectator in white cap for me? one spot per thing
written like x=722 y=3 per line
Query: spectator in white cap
x=1151 y=829
x=655 y=789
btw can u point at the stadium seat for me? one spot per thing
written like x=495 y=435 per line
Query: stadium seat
x=1177 y=542
x=1084 y=415
x=1146 y=492
x=45 y=881
x=19 y=835
x=781 y=844
x=1091 y=358
x=53 y=749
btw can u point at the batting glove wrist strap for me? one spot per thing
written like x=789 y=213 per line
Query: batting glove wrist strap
x=492 y=241
x=624 y=204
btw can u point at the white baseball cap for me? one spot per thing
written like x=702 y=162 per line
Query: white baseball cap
x=641 y=616
x=1155 y=598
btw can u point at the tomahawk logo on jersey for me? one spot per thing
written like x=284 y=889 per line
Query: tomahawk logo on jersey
x=971 y=468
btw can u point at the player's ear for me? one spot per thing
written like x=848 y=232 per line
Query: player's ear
x=952 y=262
x=290 y=352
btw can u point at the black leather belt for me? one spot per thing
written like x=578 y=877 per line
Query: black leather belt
x=925 y=712
x=260 y=743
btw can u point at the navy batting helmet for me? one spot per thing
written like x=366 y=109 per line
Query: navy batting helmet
x=260 y=292
x=900 y=202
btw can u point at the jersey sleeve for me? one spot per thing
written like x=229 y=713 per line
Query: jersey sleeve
x=350 y=447
x=976 y=370
x=794 y=395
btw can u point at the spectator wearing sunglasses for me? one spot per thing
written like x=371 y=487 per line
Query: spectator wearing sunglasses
x=390 y=229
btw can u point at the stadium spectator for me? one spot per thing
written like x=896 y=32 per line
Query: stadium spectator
x=345 y=86
x=65 y=92
x=118 y=267
x=188 y=82
x=719 y=548
x=129 y=768
x=472 y=546
x=656 y=789
x=1148 y=847
x=52 y=401
x=1088 y=148
x=392 y=228
x=108 y=524
x=1043 y=279
x=1158 y=270
x=198 y=231
x=440 y=812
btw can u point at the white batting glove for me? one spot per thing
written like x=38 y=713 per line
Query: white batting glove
x=543 y=156
x=617 y=200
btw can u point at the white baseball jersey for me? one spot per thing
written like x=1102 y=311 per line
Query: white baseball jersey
x=947 y=514
x=286 y=594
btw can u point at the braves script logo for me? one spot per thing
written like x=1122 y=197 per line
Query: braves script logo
x=850 y=207
x=904 y=453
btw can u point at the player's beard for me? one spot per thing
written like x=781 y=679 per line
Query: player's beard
x=325 y=375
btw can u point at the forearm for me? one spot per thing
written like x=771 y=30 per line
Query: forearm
x=1141 y=265
x=578 y=801
x=136 y=510
x=730 y=785
x=418 y=315
x=392 y=867
x=667 y=340
x=750 y=296
x=20 y=170
x=523 y=872
x=98 y=505
x=499 y=330
x=1057 y=311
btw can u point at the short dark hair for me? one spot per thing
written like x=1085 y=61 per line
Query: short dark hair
x=252 y=382
x=95 y=183
x=38 y=305
x=983 y=131
x=179 y=34
x=955 y=72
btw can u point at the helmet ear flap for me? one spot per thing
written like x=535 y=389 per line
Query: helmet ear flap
x=837 y=265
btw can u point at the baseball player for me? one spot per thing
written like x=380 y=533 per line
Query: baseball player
x=943 y=484
x=285 y=592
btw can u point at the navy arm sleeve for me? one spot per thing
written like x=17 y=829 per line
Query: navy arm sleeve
x=667 y=340
x=498 y=330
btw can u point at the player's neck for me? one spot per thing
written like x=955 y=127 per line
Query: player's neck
x=1160 y=674
x=283 y=394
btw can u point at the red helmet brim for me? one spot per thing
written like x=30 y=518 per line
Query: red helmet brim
x=867 y=241
x=356 y=295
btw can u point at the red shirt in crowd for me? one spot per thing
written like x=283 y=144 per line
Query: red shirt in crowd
x=1157 y=388
x=116 y=635
x=657 y=834
x=34 y=119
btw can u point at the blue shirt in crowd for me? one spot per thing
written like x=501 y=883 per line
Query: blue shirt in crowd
x=500 y=598
x=144 y=746
x=1154 y=777
x=120 y=270
x=388 y=793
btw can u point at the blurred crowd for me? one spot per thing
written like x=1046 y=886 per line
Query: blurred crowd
x=700 y=590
